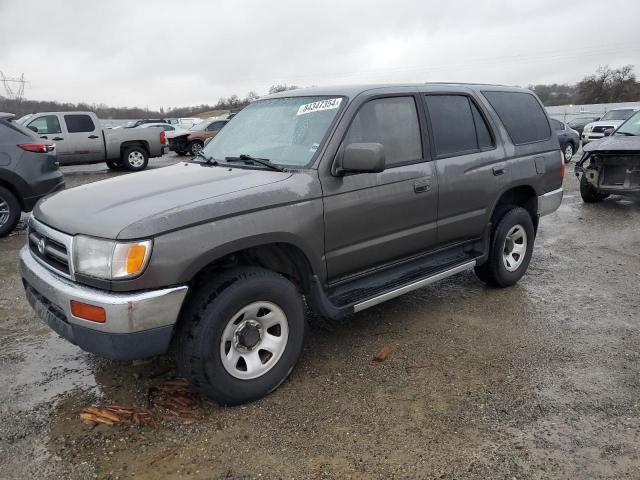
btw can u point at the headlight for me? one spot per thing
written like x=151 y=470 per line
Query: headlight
x=109 y=259
x=588 y=127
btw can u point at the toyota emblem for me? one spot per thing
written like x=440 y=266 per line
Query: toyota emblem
x=42 y=244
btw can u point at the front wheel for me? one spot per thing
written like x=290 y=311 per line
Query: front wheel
x=589 y=193
x=510 y=250
x=241 y=335
x=195 y=146
x=135 y=159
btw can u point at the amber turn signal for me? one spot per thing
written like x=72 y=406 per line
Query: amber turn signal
x=88 y=312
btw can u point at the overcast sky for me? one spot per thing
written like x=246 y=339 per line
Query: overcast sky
x=178 y=53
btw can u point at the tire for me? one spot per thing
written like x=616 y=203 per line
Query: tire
x=568 y=152
x=113 y=165
x=195 y=146
x=9 y=212
x=589 y=193
x=214 y=322
x=505 y=266
x=135 y=159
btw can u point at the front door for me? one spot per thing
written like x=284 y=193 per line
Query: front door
x=376 y=218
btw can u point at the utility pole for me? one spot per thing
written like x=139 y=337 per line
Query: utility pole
x=13 y=92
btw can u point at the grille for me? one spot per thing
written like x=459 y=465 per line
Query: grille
x=50 y=251
x=600 y=129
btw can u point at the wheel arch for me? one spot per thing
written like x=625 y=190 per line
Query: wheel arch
x=523 y=196
x=133 y=143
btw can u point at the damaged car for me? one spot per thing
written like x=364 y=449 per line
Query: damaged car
x=611 y=166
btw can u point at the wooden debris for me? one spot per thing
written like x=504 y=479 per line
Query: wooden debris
x=382 y=355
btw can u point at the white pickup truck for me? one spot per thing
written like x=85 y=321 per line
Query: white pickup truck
x=80 y=138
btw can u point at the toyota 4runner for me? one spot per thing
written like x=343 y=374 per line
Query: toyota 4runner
x=346 y=197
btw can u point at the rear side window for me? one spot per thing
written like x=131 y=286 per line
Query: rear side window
x=522 y=116
x=457 y=125
x=46 y=125
x=393 y=122
x=79 y=123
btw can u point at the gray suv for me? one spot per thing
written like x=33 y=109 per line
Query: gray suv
x=28 y=171
x=346 y=197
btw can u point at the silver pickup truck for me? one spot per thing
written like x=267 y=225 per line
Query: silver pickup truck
x=80 y=138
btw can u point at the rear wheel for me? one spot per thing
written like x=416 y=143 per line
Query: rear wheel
x=510 y=250
x=195 y=146
x=242 y=334
x=589 y=193
x=135 y=159
x=9 y=212
x=569 y=150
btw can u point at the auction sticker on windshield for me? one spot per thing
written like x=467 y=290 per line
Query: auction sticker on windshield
x=319 y=106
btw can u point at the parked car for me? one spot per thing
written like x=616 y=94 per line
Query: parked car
x=609 y=121
x=193 y=141
x=167 y=127
x=137 y=123
x=569 y=139
x=28 y=171
x=346 y=196
x=80 y=138
x=184 y=123
x=579 y=123
x=612 y=164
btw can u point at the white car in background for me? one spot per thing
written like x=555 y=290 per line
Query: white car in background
x=609 y=121
x=168 y=128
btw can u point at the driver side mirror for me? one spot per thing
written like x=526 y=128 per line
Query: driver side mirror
x=32 y=128
x=361 y=158
x=608 y=132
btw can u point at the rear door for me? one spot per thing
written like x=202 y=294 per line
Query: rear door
x=376 y=218
x=83 y=139
x=470 y=164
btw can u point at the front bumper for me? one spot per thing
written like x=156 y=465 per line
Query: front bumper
x=138 y=325
x=549 y=202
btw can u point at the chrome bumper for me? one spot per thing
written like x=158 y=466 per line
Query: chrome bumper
x=125 y=312
x=549 y=202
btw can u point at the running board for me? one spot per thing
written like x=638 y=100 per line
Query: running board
x=358 y=307
x=326 y=306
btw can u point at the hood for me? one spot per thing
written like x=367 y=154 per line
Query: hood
x=607 y=123
x=614 y=142
x=151 y=202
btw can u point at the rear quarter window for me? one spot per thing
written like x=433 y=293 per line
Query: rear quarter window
x=522 y=116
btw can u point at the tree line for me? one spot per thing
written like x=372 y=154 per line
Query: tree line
x=606 y=85
x=23 y=106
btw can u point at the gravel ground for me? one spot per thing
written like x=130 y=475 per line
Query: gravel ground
x=536 y=381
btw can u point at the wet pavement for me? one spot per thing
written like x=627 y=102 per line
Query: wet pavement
x=541 y=380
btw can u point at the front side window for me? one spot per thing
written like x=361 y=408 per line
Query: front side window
x=392 y=122
x=522 y=116
x=458 y=127
x=78 y=123
x=286 y=131
x=46 y=125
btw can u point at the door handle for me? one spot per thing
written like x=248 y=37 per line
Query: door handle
x=57 y=139
x=93 y=136
x=498 y=170
x=422 y=186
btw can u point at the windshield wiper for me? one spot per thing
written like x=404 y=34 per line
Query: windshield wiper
x=209 y=160
x=628 y=134
x=248 y=159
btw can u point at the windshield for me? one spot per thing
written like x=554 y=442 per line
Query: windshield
x=617 y=114
x=581 y=121
x=286 y=131
x=24 y=118
x=631 y=127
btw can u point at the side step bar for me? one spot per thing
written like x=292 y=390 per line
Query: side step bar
x=322 y=304
x=358 y=307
